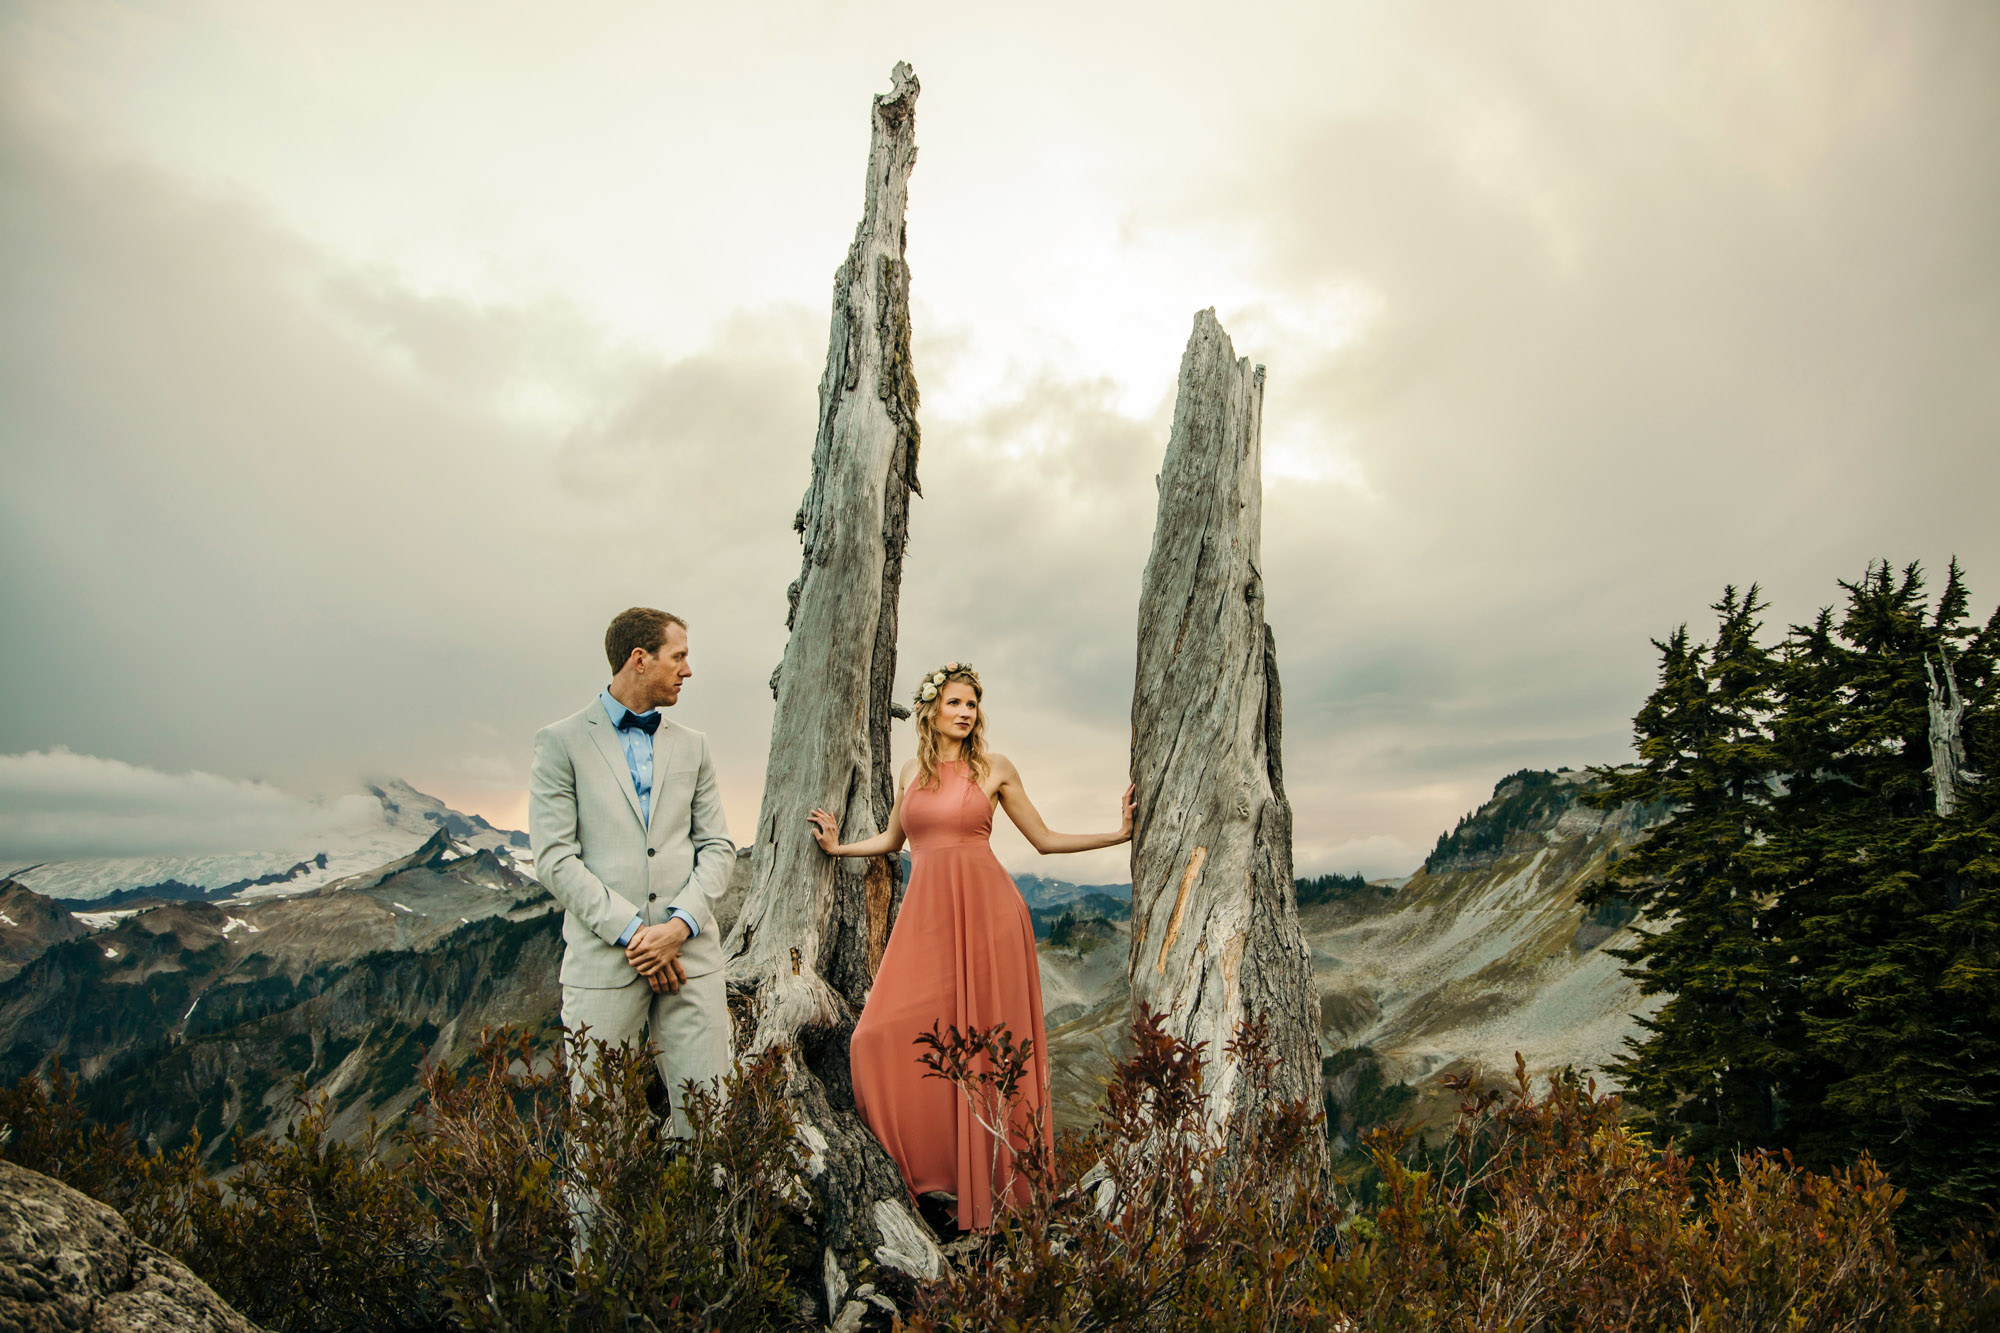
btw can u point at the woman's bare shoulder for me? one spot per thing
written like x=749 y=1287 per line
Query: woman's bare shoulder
x=909 y=771
x=1002 y=765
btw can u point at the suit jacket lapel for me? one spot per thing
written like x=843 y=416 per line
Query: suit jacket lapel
x=665 y=741
x=606 y=736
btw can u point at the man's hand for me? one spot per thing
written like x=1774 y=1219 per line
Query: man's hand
x=656 y=952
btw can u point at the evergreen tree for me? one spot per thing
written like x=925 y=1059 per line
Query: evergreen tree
x=1713 y=1054
x=1830 y=945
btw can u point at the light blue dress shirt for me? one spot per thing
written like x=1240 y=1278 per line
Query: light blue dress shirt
x=638 y=746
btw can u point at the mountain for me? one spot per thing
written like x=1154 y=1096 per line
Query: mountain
x=29 y=924
x=1482 y=953
x=1485 y=951
x=408 y=807
x=402 y=819
x=1041 y=891
x=200 y=1015
x=197 y=1014
x=173 y=890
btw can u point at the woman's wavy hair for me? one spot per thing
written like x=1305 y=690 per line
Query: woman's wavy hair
x=973 y=748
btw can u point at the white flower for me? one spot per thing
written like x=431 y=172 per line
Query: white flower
x=930 y=693
x=938 y=679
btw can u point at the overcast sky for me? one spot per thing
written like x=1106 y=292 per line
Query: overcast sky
x=358 y=361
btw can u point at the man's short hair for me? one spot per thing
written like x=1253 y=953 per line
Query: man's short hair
x=639 y=627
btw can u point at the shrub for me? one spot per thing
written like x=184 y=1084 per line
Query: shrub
x=1173 y=1224
x=1536 y=1212
x=469 y=1218
x=708 y=1232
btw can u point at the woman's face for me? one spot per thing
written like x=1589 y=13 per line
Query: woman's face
x=957 y=709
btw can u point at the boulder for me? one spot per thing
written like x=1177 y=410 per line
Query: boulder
x=68 y=1264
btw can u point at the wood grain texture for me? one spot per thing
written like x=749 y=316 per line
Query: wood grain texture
x=1212 y=838
x=1947 y=713
x=804 y=948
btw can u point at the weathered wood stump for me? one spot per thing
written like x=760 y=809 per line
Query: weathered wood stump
x=1215 y=927
x=805 y=946
x=1947 y=712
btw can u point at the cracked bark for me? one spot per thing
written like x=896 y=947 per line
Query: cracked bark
x=804 y=949
x=1947 y=713
x=1215 y=934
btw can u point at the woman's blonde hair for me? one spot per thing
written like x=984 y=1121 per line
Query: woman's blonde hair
x=973 y=748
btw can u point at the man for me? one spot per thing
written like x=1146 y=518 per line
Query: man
x=625 y=818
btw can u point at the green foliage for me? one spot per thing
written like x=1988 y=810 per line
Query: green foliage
x=1093 y=912
x=1829 y=944
x=1521 y=800
x=1332 y=889
x=1372 y=1101
x=1082 y=931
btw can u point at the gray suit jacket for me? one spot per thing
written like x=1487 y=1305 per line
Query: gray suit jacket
x=604 y=865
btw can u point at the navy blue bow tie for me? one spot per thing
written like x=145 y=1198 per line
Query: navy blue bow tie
x=646 y=722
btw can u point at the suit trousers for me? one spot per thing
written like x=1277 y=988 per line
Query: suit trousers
x=689 y=1030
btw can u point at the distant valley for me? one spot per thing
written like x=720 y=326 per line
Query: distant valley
x=191 y=1001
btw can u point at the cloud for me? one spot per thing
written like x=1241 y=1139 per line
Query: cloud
x=59 y=805
x=1572 y=314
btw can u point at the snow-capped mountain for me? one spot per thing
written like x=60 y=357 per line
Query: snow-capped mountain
x=408 y=819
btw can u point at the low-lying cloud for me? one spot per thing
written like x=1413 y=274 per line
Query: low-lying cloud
x=59 y=805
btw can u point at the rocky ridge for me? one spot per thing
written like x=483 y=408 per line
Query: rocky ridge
x=1485 y=951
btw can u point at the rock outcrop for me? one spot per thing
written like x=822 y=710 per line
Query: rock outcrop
x=68 y=1264
x=1486 y=951
x=29 y=924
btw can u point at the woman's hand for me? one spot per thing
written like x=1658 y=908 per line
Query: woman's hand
x=826 y=831
x=1129 y=805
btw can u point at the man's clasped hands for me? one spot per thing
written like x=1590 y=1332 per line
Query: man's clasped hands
x=656 y=952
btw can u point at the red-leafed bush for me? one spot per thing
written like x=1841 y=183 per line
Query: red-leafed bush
x=1540 y=1210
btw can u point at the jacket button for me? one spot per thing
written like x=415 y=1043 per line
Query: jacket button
x=652 y=851
x=652 y=897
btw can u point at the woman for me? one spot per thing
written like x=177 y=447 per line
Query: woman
x=962 y=953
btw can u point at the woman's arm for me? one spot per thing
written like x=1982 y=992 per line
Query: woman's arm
x=826 y=829
x=1014 y=800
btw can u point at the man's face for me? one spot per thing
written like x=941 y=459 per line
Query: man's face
x=667 y=668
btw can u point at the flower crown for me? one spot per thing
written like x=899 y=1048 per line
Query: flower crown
x=935 y=680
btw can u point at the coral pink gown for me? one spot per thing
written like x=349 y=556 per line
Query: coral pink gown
x=962 y=953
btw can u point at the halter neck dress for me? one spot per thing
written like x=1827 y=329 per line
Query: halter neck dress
x=962 y=953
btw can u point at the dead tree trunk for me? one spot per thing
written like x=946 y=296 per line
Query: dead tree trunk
x=1947 y=738
x=804 y=949
x=1215 y=926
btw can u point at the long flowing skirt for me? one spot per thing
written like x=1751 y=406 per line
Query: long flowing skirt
x=962 y=954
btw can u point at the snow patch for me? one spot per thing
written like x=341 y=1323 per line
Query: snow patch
x=411 y=910
x=234 y=922
x=110 y=953
x=105 y=920
x=8 y=919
